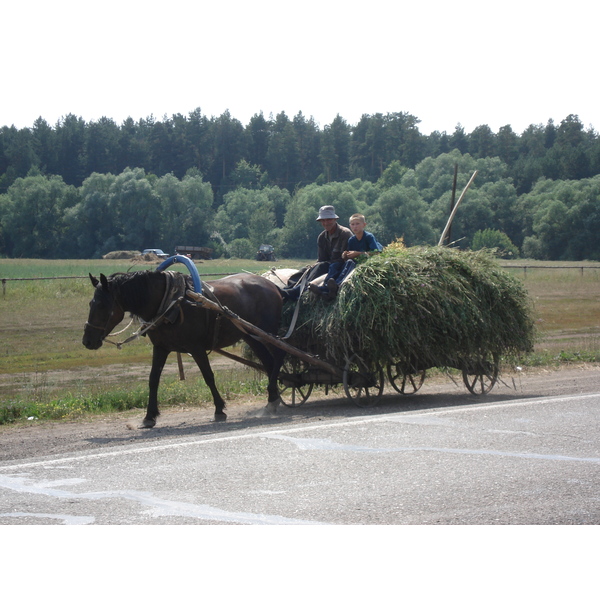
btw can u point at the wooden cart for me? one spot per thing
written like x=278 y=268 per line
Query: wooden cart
x=361 y=382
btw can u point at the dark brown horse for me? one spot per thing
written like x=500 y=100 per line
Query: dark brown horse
x=188 y=328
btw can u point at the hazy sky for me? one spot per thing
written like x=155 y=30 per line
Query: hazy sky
x=447 y=62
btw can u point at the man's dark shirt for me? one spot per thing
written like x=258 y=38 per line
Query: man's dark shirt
x=331 y=247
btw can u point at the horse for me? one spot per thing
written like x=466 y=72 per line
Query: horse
x=188 y=327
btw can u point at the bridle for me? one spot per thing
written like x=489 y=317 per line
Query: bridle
x=99 y=327
x=168 y=302
x=104 y=327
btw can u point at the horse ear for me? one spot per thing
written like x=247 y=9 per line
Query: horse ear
x=93 y=280
x=104 y=282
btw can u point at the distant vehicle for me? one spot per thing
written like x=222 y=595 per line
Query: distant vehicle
x=156 y=251
x=265 y=252
x=195 y=252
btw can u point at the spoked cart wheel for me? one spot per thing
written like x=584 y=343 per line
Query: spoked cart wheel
x=296 y=393
x=405 y=384
x=481 y=377
x=362 y=386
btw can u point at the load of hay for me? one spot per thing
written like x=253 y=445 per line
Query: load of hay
x=122 y=254
x=419 y=308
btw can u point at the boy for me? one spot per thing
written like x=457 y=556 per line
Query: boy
x=362 y=243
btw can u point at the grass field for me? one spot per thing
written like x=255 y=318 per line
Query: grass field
x=566 y=298
x=41 y=325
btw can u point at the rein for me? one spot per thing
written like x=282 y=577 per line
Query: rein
x=88 y=324
x=144 y=328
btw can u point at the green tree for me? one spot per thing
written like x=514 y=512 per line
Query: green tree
x=45 y=146
x=392 y=175
x=562 y=220
x=133 y=146
x=70 y=144
x=308 y=140
x=188 y=216
x=91 y=223
x=529 y=166
x=19 y=151
x=335 y=150
x=495 y=240
x=102 y=146
x=228 y=148
x=459 y=140
x=401 y=213
x=241 y=248
x=482 y=142
x=369 y=147
x=501 y=196
x=137 y=209
x=507 y=144
x=247 y=176
x=33 y=221
x=433 y=177
x=258 y=131
x=199 y=142
x=246 y=214
x=279 y=199
x=283 y=156
x=436 y=143
x=568 y=158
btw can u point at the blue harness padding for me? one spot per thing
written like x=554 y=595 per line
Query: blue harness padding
x=179 y=258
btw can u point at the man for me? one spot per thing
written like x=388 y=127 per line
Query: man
x=331 y=244
x=361 y=244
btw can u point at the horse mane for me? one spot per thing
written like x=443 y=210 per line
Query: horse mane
x=133 y=289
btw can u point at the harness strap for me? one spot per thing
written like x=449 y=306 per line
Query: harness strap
x=303 y=281
x=146 y=326
x=208 y=291
x=172 y=298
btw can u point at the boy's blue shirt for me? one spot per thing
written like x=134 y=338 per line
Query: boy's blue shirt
x=368 y=243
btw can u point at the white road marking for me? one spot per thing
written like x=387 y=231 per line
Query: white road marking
x=352 y=421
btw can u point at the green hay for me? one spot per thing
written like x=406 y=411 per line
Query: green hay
x=419 y=307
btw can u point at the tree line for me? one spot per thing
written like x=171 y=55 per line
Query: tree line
x=44 y=216
x=289 y=152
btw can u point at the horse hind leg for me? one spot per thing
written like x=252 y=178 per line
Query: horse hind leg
x=272 y=359
x=203 y=363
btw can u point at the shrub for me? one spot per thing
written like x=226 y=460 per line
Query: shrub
x=494 y=240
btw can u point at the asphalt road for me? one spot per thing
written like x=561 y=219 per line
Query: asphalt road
x=521 y=460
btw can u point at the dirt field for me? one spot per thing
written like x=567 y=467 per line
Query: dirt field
x=107 y=374
x=35 y=440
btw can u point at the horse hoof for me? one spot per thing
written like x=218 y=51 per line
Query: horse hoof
x=220 y=417
x=148 y=424
x=271 y=408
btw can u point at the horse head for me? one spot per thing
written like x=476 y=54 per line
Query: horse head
x=105 y=313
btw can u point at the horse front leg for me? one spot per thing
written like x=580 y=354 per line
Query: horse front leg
x=159 y=358
x=203 y=363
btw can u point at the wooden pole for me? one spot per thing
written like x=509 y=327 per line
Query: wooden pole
x=180 y=366
x=449 y=234
x=246 y=327
x=445 y=232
